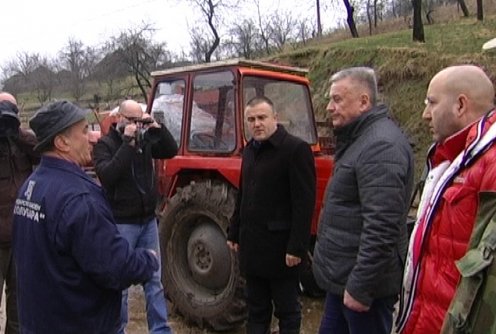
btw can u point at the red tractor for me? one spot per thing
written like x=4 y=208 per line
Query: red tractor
x=202 y=106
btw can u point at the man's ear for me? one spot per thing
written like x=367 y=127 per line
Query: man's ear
x=364 y=102
x=462 y=102
x=61 y=143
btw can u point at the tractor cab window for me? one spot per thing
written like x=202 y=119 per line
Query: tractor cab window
x=167 y=106
x=291 y=102
x=212 y=125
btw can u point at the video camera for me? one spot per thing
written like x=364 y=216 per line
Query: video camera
x=143 y=133
x=9 y=119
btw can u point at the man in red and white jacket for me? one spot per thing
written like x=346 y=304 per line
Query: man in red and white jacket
x=460 y=113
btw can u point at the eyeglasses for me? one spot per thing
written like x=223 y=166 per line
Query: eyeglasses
x=132 y=119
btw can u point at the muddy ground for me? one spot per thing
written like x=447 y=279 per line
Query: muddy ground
x=312 y=311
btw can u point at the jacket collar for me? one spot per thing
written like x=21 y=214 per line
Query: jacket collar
x=450 y=147
x=453 y=145
x=348 y=133
x=68 y=166
x=357 y=126
x=275 y=140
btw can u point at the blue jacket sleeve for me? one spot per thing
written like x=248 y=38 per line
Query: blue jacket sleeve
x=89 y=234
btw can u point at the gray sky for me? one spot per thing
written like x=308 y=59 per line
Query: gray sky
x=45 y=26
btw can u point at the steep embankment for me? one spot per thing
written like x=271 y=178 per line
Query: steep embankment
x=404 y=68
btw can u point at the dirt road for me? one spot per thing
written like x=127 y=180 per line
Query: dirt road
x=312 y=311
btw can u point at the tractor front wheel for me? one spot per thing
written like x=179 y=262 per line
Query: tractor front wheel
x=199 y=272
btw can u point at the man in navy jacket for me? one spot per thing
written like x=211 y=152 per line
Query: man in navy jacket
x=72 y=264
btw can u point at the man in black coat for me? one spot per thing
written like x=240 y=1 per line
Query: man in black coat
x=124 y=164
x=271 y=223
x=362 y=238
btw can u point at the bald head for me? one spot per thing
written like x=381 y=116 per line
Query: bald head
x=457 y=96
x=470 y=81
x=4 y=96
x=130 y=109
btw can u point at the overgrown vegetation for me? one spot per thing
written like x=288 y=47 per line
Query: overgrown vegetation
x=404 y=67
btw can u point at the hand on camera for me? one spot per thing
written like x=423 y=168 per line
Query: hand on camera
x=150 y=125
x=130 y=130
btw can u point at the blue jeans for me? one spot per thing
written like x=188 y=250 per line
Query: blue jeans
x=338 y=319
x=146 y=236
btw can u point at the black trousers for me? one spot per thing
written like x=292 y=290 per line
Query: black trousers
x=278 y=295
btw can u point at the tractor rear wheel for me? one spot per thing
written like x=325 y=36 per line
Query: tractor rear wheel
x=200 y=274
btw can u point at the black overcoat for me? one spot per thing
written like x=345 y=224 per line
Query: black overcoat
x=275 y=204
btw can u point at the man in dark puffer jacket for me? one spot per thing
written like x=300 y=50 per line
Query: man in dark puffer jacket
x=362 y=238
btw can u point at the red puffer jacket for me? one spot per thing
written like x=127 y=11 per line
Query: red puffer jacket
x=450 y=232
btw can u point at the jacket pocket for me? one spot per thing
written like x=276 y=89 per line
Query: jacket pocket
x=461 y=203
x=344 y=184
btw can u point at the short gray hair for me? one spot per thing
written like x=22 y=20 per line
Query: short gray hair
x=363 y=75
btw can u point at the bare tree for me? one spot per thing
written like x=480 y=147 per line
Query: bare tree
x=401 y=8
x=245 y=39
x=211 y=12
x=79 y=61
x=199 y=44
x=303 y=30
x=480 y=10
x=31 y=72
x=136 y=49
x=263 y=27
x=418 y=26
x=376 y=13
x=43 y=80
x=369 y=17
x=17 y=70
x=282 y=29
x=24 y=63
x=349 y=19
x=109 y=72
x=319 y=23
x=463 y=7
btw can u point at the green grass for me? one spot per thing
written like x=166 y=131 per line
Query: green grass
x=464 y=36
x=404 y=67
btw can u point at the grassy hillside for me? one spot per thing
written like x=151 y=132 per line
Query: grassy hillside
x=404 y=67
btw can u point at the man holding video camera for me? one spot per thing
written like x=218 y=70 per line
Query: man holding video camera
x=17 y=159
x=124 y=165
